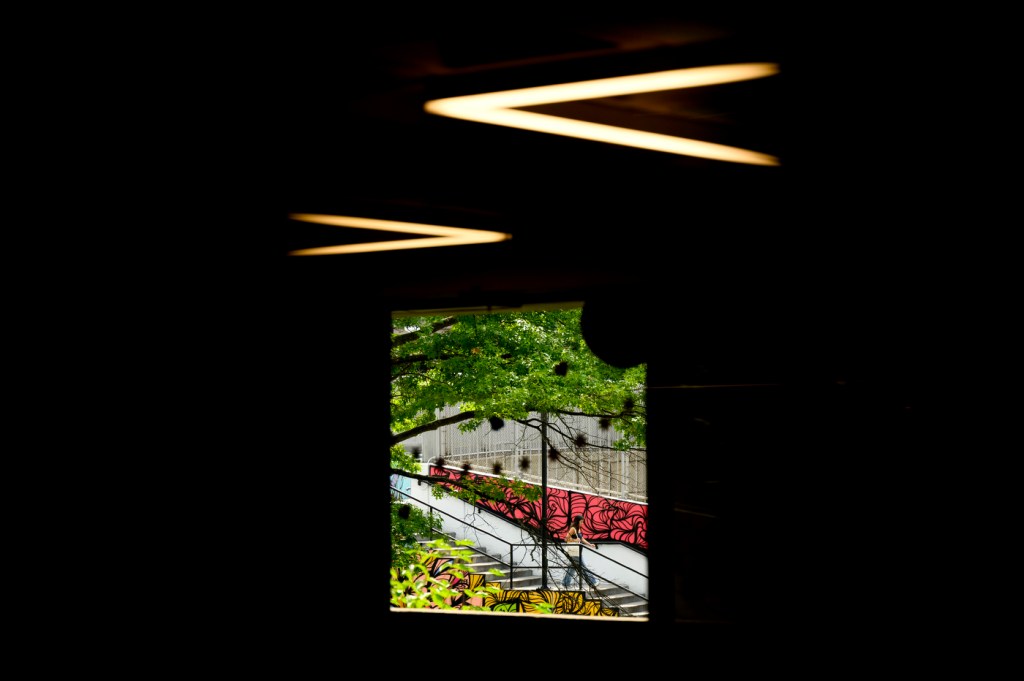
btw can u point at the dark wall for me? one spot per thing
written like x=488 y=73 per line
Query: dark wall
x=820 y=475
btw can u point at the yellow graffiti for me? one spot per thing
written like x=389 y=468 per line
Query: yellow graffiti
x=514 y=600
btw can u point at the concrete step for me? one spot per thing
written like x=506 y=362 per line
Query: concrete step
x=529 y=579
x=616 y=597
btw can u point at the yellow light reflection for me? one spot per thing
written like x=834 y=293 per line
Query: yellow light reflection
x=497 y=108
x=444 y=236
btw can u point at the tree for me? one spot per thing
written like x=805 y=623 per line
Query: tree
x=498 y=367
x=408 y=523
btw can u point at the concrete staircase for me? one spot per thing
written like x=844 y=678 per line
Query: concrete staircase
x=525 y=579
x=627 y=603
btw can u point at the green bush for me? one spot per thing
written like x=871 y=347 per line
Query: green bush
x=434 y=575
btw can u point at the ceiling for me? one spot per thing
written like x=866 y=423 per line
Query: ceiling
x=589 y=218
x=360 y=143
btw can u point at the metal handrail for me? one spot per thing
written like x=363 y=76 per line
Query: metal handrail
x=556 y=544
x=434 y=509
x=579 y=579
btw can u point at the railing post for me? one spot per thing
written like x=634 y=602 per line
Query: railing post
x=544 y=499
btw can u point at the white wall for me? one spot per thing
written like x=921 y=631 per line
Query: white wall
x=493 y=534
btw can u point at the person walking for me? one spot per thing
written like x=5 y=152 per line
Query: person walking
x=574 y=535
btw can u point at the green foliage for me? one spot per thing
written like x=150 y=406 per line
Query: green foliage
x=433 y=576
x=492 y=489
x=408 y=523
x=543 y=607
x=507 y=366
x=403 y=460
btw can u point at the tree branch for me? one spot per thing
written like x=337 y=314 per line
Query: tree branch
x=610 y=415
x=422 y=358
x=421 y=477
x=433 y=425
x=410 y=336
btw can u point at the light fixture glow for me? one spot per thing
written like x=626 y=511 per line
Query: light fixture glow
x=498 y=108
x=444 y=236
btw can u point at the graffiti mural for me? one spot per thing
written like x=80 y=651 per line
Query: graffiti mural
x=563 y=602
x=401 y=483
x=444 y=568
x=603 y=518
